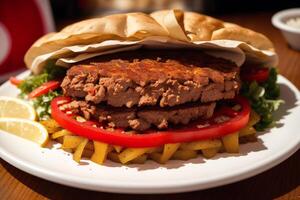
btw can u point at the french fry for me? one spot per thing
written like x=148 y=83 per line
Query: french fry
x=248 y=130
x=51 y=125
x=78 y=152
x=169 y=150
x=231 y=142
x=211 y=152
x=131 y=153
x=60 y=133
x=71 y=141
x=254 y=118
x=202 y=144
x=100 y=152
x=184 y=155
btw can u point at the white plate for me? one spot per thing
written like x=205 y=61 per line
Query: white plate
x=55 y=165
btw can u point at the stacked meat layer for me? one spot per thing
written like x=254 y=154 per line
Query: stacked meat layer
x=146 y=88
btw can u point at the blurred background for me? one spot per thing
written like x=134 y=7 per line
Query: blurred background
x=70 y=9
x=31 y=19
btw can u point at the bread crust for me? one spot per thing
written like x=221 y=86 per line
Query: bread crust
x=175 y=24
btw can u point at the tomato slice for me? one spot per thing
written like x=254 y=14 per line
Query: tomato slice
x=250 y=73
x=15 y=81
x=44 y=89
x=150 y=138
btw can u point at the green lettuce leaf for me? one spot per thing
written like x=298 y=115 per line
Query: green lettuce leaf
x=264 y=99
x=42 y=103
x=50 y=72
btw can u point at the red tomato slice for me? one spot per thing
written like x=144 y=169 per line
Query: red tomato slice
x=44 y=89
x=151 y=138
x=259 y=74
x=15 y=81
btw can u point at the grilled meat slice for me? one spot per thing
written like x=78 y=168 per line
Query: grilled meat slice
x=141 y=119
x=151 y=78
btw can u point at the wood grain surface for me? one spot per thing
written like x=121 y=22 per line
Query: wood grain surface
x=281 y=182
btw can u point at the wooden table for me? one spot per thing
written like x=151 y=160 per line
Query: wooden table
x=280 y=182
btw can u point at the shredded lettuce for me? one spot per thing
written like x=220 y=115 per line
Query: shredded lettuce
x=42 y=103
x=31 y=83
x=50 y=72
x=264 y=99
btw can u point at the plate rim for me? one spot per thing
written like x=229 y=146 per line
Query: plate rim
x=176 y=187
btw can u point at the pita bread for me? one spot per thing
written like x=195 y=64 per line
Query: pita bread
x=161 y=29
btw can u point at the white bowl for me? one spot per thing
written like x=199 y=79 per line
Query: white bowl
x=291 y=34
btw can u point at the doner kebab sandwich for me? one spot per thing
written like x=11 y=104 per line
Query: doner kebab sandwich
x=166 y=85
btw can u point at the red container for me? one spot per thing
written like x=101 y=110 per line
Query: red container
x=21 y=24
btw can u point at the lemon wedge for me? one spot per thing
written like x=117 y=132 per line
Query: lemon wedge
x=26 y=129
x=16 y=108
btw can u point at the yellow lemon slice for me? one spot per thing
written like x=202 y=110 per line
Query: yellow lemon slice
x=16 y=108
x=26 y=129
